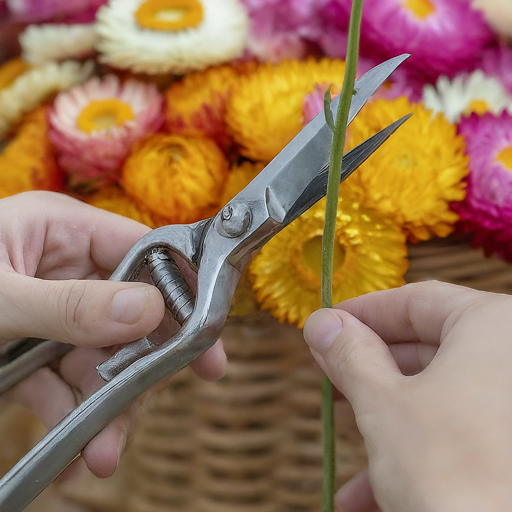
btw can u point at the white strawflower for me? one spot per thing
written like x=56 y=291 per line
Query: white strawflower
x=498 y=13
x=466 y=94
x=48 y=42
x=33 y=86
x=162 y=36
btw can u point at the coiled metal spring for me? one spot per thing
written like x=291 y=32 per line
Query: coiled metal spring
x=167 y=277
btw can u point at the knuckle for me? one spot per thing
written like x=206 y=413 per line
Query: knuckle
x=71 y=304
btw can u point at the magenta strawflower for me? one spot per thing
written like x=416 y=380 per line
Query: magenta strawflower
x=281 y=29
x=332 y=21
x=94 y=126
x=53 y=10
x=487 y=209
x=443 y=36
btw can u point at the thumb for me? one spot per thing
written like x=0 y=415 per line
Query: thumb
x=354 y=357
x=86 y=313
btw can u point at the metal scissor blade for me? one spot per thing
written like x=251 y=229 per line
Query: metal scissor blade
x=284 y=179
x=351 y=161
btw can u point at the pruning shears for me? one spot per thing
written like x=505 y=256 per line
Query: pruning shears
x=217 y=251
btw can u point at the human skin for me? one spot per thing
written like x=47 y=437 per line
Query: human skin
x=55 y=256
x=427 y=370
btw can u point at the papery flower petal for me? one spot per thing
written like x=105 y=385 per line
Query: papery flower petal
x=28 y=161
x=35 y=85
x=281 y=29
x=262 y=124
x=370 y=254
x=113 y=199
x=417 y=173
x=97 y=156
x=219 y=37
x=44 y=43
x=488 y=203
x=430 y=30
x=177 y=178
x=466 y=94
x=196 y=105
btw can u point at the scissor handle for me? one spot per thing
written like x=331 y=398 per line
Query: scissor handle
x=217 y=280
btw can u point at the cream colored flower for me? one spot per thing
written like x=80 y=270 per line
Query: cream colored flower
x=45 y=43
x=467 y=94
x=35 y=85
x=498 y=13
x=162 y=36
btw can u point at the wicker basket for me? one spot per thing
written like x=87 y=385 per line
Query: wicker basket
x=251 y=442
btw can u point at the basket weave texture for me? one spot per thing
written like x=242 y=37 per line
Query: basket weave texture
x=251 y=442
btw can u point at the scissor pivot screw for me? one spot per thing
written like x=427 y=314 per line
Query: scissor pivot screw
x=235 y=219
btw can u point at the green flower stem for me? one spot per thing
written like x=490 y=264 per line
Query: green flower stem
x=335 y=163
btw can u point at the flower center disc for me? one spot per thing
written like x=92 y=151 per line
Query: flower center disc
x=505 y=157
x=12 y=70
x=312 y=255
x=104 y=114
x=169 y=14
x=479 y=107
x=420 y=8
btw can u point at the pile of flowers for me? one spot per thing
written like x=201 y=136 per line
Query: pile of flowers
x=163 y=110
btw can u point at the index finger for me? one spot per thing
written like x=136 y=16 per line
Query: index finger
x=419 y=312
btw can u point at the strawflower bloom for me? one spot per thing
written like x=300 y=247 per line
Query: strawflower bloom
x=196 y=105
x=176 y=178
x=264 y=111
x=95 y=125
x=171 y=36
x=113 y=199
x=467 y=94
x=487 y=208
x=498 y=13
x=28 y=161
x=370 y=254
x=417 y=173
x=24 y=92
x=50 y=10
x=430 y=30
x=44 y=43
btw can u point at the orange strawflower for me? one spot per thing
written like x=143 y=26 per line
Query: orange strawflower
x=114 y=199
x=28 y=161
x=177 y=178
x=264 y=111
x=196 y=105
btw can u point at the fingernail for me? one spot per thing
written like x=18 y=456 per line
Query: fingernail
x=129 y=305
x=120 y=446
x=321 y=329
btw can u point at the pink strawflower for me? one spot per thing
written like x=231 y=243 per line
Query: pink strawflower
x=94 y=126
x=281 y=29
x=487 y=209
x=31 y=11
x=332 y=27
x=497 y=62
x=443 y=36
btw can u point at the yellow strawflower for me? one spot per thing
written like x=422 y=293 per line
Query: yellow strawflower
x=370 y=254
x=415 y=175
